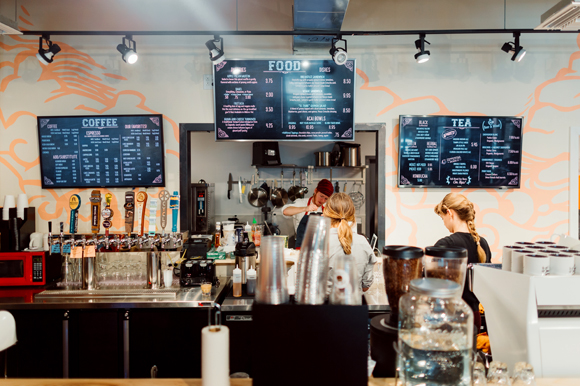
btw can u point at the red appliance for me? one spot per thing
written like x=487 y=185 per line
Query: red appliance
x=26 y=268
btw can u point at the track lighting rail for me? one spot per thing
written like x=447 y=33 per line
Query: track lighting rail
x=296 y=33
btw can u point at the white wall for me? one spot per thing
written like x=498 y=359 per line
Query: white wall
x=466 y=75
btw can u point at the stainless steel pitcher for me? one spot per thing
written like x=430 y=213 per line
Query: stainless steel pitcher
x=154 y=274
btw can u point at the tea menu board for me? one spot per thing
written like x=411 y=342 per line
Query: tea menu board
x=284 y=100
x=101 y=151
x=459 y=151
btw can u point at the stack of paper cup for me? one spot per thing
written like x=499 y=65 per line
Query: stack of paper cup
x=536 y=264
x=518 y=260
x=21 y=204
x=561 y=264
x=506 y=260
x=8 y=203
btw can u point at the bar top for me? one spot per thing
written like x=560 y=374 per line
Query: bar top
x=118 y=297
x=233 y=382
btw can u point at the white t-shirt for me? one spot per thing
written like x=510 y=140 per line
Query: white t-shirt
x=301 y=202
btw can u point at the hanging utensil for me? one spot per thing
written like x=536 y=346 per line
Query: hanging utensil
x=357 y=197
x=279 y=197
x=336 y=187
x=294 y=191
x=240 y=188
x=257 y=196
x=230 y=185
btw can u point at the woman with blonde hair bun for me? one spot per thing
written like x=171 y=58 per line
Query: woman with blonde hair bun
x=344 y=241
x=458 y=216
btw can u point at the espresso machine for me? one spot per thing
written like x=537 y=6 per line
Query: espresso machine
x=203 y=208
x=194 y=272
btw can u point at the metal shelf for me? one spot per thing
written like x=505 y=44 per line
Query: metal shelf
x=310 y=171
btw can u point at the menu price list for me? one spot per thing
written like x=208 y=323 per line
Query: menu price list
x=284 y=100
x=455 y=151
x=101 y=151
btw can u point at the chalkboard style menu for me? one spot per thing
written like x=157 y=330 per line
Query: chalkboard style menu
x=284 y=100
x=459 y=151
x=101 y=151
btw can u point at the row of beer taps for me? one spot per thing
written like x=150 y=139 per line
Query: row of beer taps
x=171 y=240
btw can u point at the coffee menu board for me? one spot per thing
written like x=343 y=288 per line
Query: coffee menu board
x=284 y=100
x=459 y=151
x=101 y=151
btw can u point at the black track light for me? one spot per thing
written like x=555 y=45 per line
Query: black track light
x=423 y=55
x=515 y=48
x=128 y=49
x=216 y=55
x=338 y=54
x=46 y=56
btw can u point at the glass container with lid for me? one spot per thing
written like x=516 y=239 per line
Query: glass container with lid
x=449 y=263
x=435 y=334
x=401 y=264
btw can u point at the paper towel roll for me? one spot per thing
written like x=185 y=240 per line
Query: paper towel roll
x=215 y=356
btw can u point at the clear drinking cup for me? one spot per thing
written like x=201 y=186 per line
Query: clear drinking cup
x=312 y=269
x=479 y=374
x=524 y=374
x=498 y=374
x=271 y=285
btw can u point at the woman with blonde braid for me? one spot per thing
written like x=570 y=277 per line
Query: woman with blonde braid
x=458 y=216
x=343 y=241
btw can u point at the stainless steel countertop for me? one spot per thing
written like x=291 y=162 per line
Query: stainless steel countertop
x=187 y=297
x=237 y=305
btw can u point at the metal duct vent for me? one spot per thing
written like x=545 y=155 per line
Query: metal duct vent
x=8 y=27
x=318 y=15
x=563 y=16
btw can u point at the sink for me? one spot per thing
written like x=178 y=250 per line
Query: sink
x=108 y=293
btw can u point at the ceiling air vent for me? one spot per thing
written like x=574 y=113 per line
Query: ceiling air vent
x=563 y=16
x=8 y=27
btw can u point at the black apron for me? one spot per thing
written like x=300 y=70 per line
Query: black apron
x=301 y=230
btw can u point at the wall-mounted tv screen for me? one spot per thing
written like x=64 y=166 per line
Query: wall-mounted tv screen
x=459 y=151
x=299 y=100
x=85 y=151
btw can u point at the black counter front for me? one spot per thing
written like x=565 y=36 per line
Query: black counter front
x=108 y=337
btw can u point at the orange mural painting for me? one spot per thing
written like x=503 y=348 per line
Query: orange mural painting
x=543 y=192
x=77 y=74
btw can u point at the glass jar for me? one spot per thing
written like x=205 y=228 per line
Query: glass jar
x=435 y=334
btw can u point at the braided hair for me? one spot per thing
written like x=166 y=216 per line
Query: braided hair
x=464 y=209
x=340 y=209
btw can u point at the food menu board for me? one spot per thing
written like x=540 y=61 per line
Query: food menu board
x=101 y=151
x=284 y=100
x=459 y=151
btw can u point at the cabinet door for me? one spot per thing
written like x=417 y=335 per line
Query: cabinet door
x=38 y=352
x=167 y=338
x=96 y=344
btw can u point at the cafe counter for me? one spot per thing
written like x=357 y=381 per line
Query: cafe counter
x=82 y=335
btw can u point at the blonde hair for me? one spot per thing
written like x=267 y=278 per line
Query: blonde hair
x=340 y=209
x=464 y=209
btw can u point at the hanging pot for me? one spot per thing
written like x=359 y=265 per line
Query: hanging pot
x=258 y=197
x=279 y=197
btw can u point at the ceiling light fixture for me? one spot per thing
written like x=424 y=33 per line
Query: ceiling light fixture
x=128 y=49
x=216 y=55
x=338 y=54
x=515 y=48
x=46 y=56
x=423 y=55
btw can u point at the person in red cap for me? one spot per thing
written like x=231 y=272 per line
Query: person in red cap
x=302 y=207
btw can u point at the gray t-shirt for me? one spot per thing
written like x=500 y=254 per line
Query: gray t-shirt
x=361 y=252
